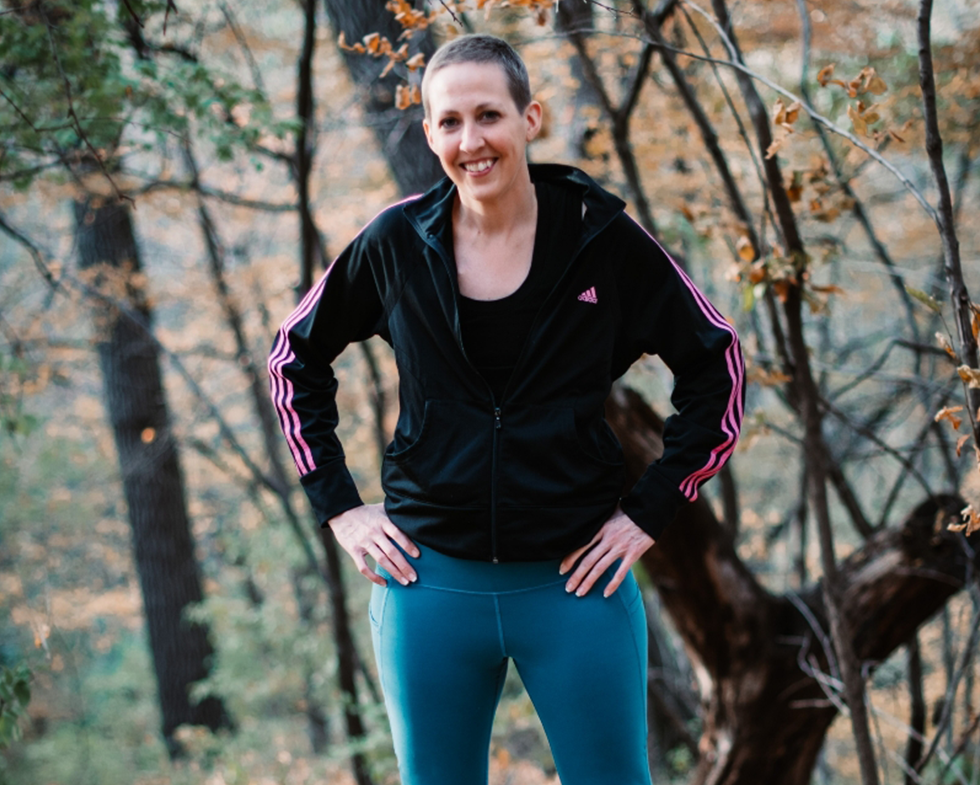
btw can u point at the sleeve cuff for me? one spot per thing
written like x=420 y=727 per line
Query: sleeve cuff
x=331 y=490
x=653 y=503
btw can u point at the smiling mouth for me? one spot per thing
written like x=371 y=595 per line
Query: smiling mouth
x=478 y=167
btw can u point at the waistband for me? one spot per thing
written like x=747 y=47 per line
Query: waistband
x=438 y=571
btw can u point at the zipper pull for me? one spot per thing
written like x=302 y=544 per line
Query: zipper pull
x=496 y=418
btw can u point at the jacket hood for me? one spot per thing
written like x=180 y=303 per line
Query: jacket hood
x=430 y=211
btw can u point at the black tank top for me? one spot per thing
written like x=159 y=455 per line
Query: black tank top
x=494 y=331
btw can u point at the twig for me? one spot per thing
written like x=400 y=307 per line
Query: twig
x=871 y=435
x=132 y=13
x=74 y=117
x=166 y=16
x=451 y=12
x=215 y=193
x=811 y=112
x=859 y=213
x=243 y=43
x=958 y=294
x=947 y=712
x=818 y=630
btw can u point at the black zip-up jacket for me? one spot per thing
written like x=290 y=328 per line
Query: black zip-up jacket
x=534 y=474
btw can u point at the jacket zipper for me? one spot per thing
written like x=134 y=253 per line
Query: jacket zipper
x=497 y=425
x=433 y=242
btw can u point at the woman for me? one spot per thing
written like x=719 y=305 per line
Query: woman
x=513 y=296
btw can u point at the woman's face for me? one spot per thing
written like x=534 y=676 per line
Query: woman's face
x=478 y=132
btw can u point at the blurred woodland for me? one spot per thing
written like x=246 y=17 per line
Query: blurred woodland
x=174 y=174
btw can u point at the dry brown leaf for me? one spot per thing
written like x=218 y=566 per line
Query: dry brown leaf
x=779 y=112
x=946 y=345
x=872 y=82
x=949 y=413
x=830 y=289
x=745 y=249
x=860 y=126
x=403 y=98
x=824 y=74
x=959 y=444
x=972 y=518
x=757 y=273
x=969 y=375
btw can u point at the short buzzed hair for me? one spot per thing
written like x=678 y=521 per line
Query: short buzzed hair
x=481 y=48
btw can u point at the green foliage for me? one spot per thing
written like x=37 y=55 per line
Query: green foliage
x=15 y=694
x=14 y=421
x=73 y=81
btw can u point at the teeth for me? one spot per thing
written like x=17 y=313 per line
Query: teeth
x=478 y=166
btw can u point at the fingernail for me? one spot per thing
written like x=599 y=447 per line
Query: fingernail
x=414 y=578
x=568 y=588
x=562 y=570
x=580 y=593
x=403 y=581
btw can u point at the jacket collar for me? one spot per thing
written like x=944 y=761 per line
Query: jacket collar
x=430 y=212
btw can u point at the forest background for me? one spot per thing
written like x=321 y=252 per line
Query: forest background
x=174 y=175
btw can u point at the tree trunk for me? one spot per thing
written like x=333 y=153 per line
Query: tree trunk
x=756 y=654
x=148 y=460
x=399 y=133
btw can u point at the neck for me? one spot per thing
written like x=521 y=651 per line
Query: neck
x=500 y=215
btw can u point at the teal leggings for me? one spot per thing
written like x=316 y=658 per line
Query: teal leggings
x=442 y=646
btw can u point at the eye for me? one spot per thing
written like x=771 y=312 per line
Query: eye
x=448 y=122
x=490 y=115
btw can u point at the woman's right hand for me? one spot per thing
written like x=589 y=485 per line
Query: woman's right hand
x=367 y=531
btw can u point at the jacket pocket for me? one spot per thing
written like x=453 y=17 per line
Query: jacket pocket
x=548 y=459
x=448 y=462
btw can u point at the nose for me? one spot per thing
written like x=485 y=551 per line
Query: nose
x=471 y=138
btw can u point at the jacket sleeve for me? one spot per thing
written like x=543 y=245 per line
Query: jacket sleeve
x=665 y=314
x=343 y=307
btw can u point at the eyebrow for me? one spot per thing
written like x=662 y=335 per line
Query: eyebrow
x=479 y=107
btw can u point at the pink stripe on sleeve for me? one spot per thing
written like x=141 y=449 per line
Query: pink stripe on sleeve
x=732 y=417
x=283 y=391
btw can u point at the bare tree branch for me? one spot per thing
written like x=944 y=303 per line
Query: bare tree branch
x=958 y=294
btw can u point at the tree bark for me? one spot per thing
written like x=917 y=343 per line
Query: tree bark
x=759 y=656
x=399 y=133
x=148 y=460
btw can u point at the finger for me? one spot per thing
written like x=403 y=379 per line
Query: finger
x=617 y=579
x=595 y=573
x=397 y=558
x=386 y=563
x=367 y=572
x=585 y=566
x=402 y=539
x=574 y=556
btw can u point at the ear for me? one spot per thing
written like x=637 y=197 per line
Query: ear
x=532 y=116
x=428 y=132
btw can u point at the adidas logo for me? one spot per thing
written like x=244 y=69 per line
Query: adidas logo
x=588 y=296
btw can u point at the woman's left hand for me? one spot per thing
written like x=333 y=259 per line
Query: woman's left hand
x=619 y=538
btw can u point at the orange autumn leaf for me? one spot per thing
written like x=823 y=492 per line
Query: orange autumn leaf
x=972 y=518
x=745 y=250
x=823 y=76
x=971 y=376
x=946 y=345
x=959 y=444
x=949 y=413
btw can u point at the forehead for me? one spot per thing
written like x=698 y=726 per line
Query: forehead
x=461 y=85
